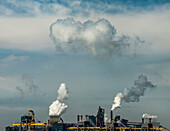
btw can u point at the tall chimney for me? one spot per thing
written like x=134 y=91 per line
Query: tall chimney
x=111 y=115
x=78 y=118
x=81 y=117
x=142 y=120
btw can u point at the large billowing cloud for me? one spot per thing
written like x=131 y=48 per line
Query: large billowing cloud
x=97 y=38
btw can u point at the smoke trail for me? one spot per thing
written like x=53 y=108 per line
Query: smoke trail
x=133 y=94
x=57 y=108
x=21 y=91
x=30 y=84
x=147 y=116
x=97 y=38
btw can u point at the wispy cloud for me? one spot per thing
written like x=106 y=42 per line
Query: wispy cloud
x=12 y=58
x=2 y=78
x=31 y=8
x=77 y=8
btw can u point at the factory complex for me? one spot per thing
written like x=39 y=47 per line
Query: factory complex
x=86 y=123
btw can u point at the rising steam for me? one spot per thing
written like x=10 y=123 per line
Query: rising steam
x=57 y=108
x=133 y=94
x=147 y=116
x=62 y=92
x=97 y=38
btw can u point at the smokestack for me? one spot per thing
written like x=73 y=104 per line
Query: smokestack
x=78 y=118
x=111 y=116
x=54 y=119
x=81 y=117
x=150 y=120
x=142 y=120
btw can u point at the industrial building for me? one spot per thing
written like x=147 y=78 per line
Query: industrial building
x=89 y=123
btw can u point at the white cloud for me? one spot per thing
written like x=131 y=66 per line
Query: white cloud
x=8 y=84
x=97 y=38
x=11 y=58
x=32 y=8
x=32 y=33
x=2 y=78
x=153 y=27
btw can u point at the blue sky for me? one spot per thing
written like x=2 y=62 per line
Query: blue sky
x=26 y=49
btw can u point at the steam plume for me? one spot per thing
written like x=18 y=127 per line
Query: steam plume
x=133 y=94
x=117 y=101
x=62 y=92
x=97 y=38
x=147 y=116
x=57 y=108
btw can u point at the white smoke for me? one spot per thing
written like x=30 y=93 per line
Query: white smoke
x=117 y=101
x=133 y=94
x=147 y=116
x=57 y=108
x=97 y=38
x=62 y=92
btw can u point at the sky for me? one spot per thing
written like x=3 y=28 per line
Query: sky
x=97 y=48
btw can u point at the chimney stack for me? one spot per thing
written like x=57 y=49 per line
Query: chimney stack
x=142 y=120
x=54 y=119
x=81 y=117
x=78 y=118
x=111 y=116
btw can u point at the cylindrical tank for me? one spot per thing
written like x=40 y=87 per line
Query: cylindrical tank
x=54 y=119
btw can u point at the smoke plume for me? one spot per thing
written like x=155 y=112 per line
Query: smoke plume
x=57 y=108
x=21 y=91
x=97 y=38
x=29 y=83
x=133 y=94
x=147 y=116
